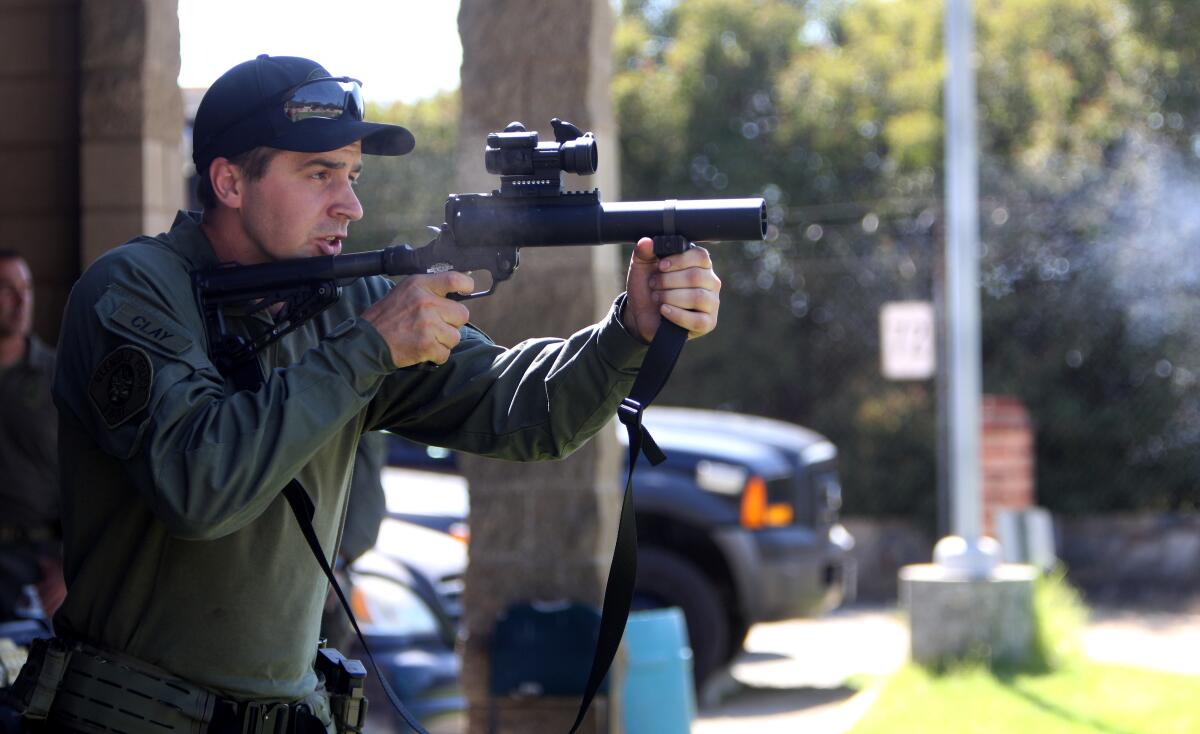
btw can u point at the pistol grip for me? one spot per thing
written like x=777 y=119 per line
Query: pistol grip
x=670 y=244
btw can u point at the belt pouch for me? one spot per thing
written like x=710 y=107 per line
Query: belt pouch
x=38 y=682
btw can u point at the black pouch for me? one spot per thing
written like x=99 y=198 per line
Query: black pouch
x=344 y=680
x=36 y=685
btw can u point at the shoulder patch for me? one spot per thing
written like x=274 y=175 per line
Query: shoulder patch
x=120 y=384
x=151 y=327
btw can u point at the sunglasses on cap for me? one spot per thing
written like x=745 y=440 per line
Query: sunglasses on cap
x=326 y=98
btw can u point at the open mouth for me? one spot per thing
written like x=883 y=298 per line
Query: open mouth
x=331 y=245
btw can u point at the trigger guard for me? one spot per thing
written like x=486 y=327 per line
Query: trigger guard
x=470 y=296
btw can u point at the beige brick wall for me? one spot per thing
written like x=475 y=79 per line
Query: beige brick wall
x=39 y=144
x=131 y=165
x=91 y=136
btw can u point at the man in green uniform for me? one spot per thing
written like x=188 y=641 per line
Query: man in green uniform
x=183 y=561
x=29 y=529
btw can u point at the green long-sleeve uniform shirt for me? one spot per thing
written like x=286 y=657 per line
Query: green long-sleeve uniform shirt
x=179 y=548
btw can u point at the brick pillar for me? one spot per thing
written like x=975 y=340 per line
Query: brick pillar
x=1006 y=458
x=131 y=177
x=39 y=143
x=538 y=532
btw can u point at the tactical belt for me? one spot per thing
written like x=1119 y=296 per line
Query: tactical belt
x=240 y=717
x=89 y=690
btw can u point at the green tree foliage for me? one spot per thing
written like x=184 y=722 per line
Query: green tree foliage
x=832 y=111
x=402 y=196
x=1173 y=92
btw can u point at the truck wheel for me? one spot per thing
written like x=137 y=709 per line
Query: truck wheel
x=665 y=579
x=737 y=640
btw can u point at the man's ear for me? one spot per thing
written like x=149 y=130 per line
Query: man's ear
x=228 y=182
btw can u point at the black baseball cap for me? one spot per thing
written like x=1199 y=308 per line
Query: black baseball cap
x=244 y=109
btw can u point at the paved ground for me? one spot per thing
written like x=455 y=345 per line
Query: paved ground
x=1161 y=640
x=793 y=676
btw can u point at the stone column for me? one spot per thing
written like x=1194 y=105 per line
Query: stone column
x=131 y=122
x=538 y=532
x=39 y=142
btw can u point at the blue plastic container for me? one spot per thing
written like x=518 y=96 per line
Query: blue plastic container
x=657 y=696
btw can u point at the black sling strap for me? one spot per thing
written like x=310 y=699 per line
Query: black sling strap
x=656 y=368
x=302 y=508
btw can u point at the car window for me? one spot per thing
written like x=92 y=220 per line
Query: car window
x=384 y=607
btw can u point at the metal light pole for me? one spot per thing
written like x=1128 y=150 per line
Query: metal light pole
x=963 y=551
x=965 y=600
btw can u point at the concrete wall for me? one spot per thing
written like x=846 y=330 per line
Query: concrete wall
x=882 y=546
x=90 y=136
x=1119 y=558
x=131 y=126
x=39 y=144
x=1132 y=557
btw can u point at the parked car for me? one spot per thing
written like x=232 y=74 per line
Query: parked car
x=738 y=526
x=412 y=637
x=436 y=554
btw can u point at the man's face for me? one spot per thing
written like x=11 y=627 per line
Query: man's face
x=303 y=204
x=16 y=297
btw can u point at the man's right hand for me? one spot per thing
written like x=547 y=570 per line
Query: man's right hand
x=417 y=320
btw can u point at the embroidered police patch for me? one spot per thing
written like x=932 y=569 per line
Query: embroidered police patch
x=120 y=386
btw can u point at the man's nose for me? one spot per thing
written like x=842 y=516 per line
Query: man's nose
x=347 y=205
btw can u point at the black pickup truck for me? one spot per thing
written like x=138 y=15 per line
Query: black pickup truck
x=738 y=526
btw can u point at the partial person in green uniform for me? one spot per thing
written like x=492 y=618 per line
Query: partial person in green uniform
x=30 y=553
x=367 y=501
x=188 y=579
x=366 y=506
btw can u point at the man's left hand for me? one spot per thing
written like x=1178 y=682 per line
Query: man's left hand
x=680 y=288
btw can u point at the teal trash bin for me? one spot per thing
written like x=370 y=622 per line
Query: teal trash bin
x=657 y=697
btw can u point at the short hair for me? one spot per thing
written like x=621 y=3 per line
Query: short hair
x=7 y=253
x=253 y=163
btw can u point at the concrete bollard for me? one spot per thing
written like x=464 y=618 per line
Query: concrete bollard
x=954 y=617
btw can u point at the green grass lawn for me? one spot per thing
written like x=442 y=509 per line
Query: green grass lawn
x=1082 y=698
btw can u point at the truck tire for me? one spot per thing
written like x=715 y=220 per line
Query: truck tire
x=737 y=640
x=665 y=579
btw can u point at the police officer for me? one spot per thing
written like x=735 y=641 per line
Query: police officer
x=189 y=584
x=29 y=528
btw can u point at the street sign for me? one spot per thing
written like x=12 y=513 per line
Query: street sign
x=906 y=340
